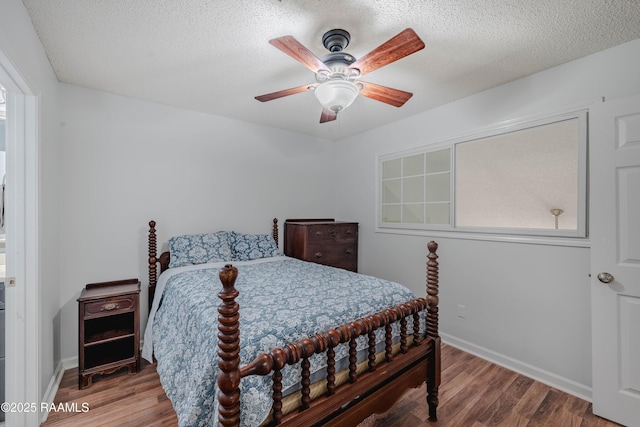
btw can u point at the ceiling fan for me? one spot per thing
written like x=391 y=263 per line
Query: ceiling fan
x=338 y=73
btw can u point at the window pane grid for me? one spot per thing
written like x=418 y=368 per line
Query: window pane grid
x=405 y=196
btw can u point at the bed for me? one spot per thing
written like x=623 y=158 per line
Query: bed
x=311 y=345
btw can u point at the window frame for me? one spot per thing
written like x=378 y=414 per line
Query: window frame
x=576 y=237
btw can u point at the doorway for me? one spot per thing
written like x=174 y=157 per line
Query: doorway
x=3 y=170
x=22 y=364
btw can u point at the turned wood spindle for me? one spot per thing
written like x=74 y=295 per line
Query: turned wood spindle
x=334 y=336
x=153 y=275
x=277 y=396
x=432 y=290
x=331 y=371
x=353 y=360
x=305 y=382
x=433 y=382
x=308 y=350
x=388 y=343
x=417 y=339
x=228 y=350
x=279 y=358
x=372 y=351
x=373 y=322
x=403 y=335
x=275 y=230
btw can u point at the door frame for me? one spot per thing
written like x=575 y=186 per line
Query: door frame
x=22 y=357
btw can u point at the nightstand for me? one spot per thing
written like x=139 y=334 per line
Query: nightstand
x=323 y=241
x=108 y=324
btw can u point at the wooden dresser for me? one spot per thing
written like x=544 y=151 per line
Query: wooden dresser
x=108 y=326
x=324 y=241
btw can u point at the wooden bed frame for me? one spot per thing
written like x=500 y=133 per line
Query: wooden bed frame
x=374 y=391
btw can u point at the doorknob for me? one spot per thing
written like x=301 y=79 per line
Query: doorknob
x=605 y=277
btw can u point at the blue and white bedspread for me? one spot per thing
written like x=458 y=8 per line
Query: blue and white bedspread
x=281 y=300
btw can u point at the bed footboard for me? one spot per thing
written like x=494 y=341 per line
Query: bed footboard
x=418 y=360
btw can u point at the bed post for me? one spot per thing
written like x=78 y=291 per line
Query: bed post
x=275 y=230
x=432 y=291
x=228 y=350
x=153 y=275
x=433 y=381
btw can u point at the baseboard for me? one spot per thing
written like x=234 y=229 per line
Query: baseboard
x=548 y=378
x=70 y=363
x=52 y=389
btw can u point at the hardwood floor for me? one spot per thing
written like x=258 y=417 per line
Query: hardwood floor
x=474 y=393
x=118 y=399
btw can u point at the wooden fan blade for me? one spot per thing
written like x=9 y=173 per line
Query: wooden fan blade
x=285 y=92
x=388 y=95
x=328 y=115
x=403 y=44
x=297 y=51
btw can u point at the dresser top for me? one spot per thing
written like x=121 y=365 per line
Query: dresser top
x=109 y=289
x=317 y=221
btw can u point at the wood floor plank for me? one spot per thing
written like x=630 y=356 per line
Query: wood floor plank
x=473 y=393
x=514 y=419
x=549 y=407
x=498 y=411
x=519 y=386
x=532 y=399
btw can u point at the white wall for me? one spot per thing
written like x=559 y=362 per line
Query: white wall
x=125 y=162
x=527 y=306
x=19 y=42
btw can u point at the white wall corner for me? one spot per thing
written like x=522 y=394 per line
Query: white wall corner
x=70 y=363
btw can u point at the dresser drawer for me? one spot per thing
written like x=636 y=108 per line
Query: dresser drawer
x=109 y=306
x=337 y=232
x=343 y=255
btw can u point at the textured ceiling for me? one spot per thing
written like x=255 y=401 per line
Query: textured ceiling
x=213 y=55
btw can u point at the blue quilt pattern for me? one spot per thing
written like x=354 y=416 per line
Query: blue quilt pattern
x=281 y=301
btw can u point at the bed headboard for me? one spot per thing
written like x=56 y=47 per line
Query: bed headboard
x=165 y=257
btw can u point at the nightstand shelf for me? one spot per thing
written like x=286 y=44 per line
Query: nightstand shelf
x=97 y=330
x=101 y=356
x=108 y=324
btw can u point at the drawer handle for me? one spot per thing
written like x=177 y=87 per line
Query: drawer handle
x=318 y=233
x=318 y=255
x=348 y=251
x=110 y=306
x=333 y=233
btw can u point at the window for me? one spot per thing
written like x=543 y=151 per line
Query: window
x=524 y=179
x=416 y=189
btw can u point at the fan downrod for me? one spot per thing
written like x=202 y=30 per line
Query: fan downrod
x=336 y=40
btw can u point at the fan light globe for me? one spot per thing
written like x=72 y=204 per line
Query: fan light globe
x=336 y=95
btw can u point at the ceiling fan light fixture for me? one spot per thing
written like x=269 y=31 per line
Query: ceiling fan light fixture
x=336 y=95
x=338 y=72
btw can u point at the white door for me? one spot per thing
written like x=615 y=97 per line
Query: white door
x=615 y=258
